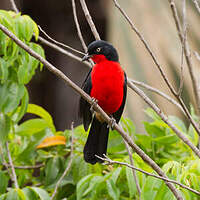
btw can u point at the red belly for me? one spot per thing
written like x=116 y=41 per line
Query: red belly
x=107 y=85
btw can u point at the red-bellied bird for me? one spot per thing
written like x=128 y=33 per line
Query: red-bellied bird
x=106 y=83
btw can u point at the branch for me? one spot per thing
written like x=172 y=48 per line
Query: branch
x=159 y=66
x=164 y=118
x=14 y=7
x=69 y=163
x=155 y=90
x=59 y=43
x=78 y=26
x=12 y=167
x=111 y=162
x=61 y=75
x=196 y=5
x=147 y=47
x=24 y=167
x=89 y=19
x=186 y=53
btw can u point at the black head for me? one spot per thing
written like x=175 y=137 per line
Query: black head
x=101 y=47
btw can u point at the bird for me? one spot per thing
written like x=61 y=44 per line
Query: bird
x=106 y=83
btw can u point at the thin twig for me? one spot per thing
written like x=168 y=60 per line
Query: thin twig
x=78 y=26
x=133 y=171
x=164 y=118
x=196 y=5
x=24 y=167
x=155 y=90
x=59 y=43
x=187 y=54
x=69 y=163
x=111 y=162
x=61 y=75
x=159 y=66
x=134 y=28
x=89 y=19
x=61 y=50
x=12 y=167
x=183 y=46
x=14 y=7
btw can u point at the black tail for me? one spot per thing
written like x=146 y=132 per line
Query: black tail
x=96 y=142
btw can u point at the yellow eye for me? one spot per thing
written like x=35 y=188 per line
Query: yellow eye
x=98 y=49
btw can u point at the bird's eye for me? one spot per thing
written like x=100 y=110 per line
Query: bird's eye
x=98 y=49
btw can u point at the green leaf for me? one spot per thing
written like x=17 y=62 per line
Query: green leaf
x=113 y=191
x=3 y=183
x=94 y=182
x=31 y=126
x=3 y=70
x=21 y=110
x=10 y=94
x=5 y=125
x=152 y=114
x=13 y=195
x=168 y=139
x=82 y=186
x=41 y=193
x=30 y=194
x=41 y=112
x=116 y=174
x=51 y=170
x=153 y=130
x=131 y=182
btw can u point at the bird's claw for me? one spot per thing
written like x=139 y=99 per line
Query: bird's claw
x=112 y=123
x=94 y=102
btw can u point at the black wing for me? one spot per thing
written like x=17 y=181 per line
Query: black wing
x=84 y=106
x=117 y=115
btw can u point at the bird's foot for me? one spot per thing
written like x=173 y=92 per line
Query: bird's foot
x=112 y=123
x=94 y=102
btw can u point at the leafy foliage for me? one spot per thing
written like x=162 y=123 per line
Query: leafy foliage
x=83 y=181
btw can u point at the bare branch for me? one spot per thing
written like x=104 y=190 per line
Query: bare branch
x=59 y=43
x=89 y=19
x=61 y=50
x=69 y=163
x=14 y=7
x=162 y=94
x=24 y=167
x=187 y=54
x=111 y=162
x=12 y=167
x=146 y=46
x=78 y=26
x=196 y=5
x=159 y=66
x=61 y=75
x=165 y=119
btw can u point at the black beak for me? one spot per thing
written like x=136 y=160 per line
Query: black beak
x=86 y=57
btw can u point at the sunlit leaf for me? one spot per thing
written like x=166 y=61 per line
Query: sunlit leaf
x=52 y=141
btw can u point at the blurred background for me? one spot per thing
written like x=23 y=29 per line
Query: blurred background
x=152 y=18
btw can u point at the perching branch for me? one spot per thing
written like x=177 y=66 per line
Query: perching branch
x=111 y=162
x=12 y=167
x=61 y=75
x=69 y=163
